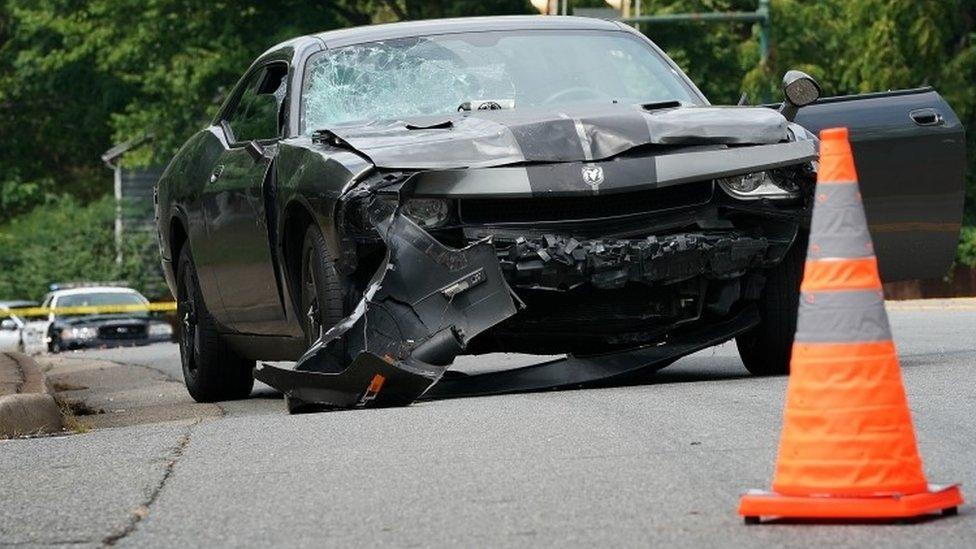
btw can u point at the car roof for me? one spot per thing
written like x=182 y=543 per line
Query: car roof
x=94 y=290
x=388 y=31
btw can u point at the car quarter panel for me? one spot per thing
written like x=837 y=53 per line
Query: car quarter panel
x=180 y=190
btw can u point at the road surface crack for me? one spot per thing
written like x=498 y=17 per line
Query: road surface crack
x=141 y=511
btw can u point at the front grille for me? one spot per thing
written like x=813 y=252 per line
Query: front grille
x=515 y=210
x=122 y=331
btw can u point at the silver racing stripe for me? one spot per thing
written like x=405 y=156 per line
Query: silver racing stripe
x=584 y=139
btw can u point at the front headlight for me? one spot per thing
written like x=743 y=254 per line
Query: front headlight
x=160 y=329
x=427 y=212
x=80 y=332
x=753 y=186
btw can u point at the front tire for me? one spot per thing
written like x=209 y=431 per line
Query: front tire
x=765 y=350
x=322 y=296
x=212 y=371
x=54 y=347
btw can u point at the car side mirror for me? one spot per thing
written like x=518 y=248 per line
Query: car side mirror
x=8 y=325
x=255 y=150
x=799 y=90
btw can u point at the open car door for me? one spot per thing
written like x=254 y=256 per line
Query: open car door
x=910 y=152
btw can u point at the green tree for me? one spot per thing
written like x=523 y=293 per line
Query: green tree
x=77 y=76
x=850 y=47
x=69 y=241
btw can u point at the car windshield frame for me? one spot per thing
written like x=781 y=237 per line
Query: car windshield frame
x=694 y=96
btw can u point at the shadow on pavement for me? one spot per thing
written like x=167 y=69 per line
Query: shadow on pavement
x=691 y=369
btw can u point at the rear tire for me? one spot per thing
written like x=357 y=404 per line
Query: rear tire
x=212 y=371
x=765 y=350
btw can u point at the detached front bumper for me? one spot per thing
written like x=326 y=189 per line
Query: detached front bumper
x=420 y=309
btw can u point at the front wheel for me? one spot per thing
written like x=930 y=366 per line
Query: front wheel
x=765 y=349
x=212 y=370
x=322 y=296
x=54 y=347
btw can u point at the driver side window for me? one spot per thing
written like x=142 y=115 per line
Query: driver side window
x=256 y=116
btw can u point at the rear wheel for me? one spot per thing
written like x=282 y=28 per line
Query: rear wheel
x=765 y=350
x=212 y=371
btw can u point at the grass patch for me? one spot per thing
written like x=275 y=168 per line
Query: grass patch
x=71 y=410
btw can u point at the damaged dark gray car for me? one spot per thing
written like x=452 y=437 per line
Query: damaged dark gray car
x=374 y=202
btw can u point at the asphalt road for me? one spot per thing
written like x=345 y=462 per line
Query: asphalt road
x=660 y=463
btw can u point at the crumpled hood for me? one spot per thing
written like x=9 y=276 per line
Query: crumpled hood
x=481 y=139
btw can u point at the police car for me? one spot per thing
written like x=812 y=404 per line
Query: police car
x=95 y=316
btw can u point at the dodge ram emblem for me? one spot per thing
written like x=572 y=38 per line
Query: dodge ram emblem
x=593 y=176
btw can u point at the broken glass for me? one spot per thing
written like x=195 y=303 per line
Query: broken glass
x=385 y=80
x=435 y=75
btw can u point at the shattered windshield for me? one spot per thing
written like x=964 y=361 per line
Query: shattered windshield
x=438 y=74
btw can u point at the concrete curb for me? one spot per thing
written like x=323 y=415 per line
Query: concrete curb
x=934 y=304
x=26 y=403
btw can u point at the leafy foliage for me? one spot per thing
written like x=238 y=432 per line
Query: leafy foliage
x=77 y=76
x=68 y=241
x=849 y=47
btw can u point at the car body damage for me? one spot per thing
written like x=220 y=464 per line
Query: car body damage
x=423 y=304
x=615 y=218
x=427 y=300
x=563 y=263
x=480 y=139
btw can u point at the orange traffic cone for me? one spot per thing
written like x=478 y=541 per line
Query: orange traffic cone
x=848 y=448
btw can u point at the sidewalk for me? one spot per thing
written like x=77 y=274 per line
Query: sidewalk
x=109 y=394
x=26 y=403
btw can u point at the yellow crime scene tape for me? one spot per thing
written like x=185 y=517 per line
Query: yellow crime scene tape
x=165 y=306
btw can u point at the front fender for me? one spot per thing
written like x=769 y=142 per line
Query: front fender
x=313 y=177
